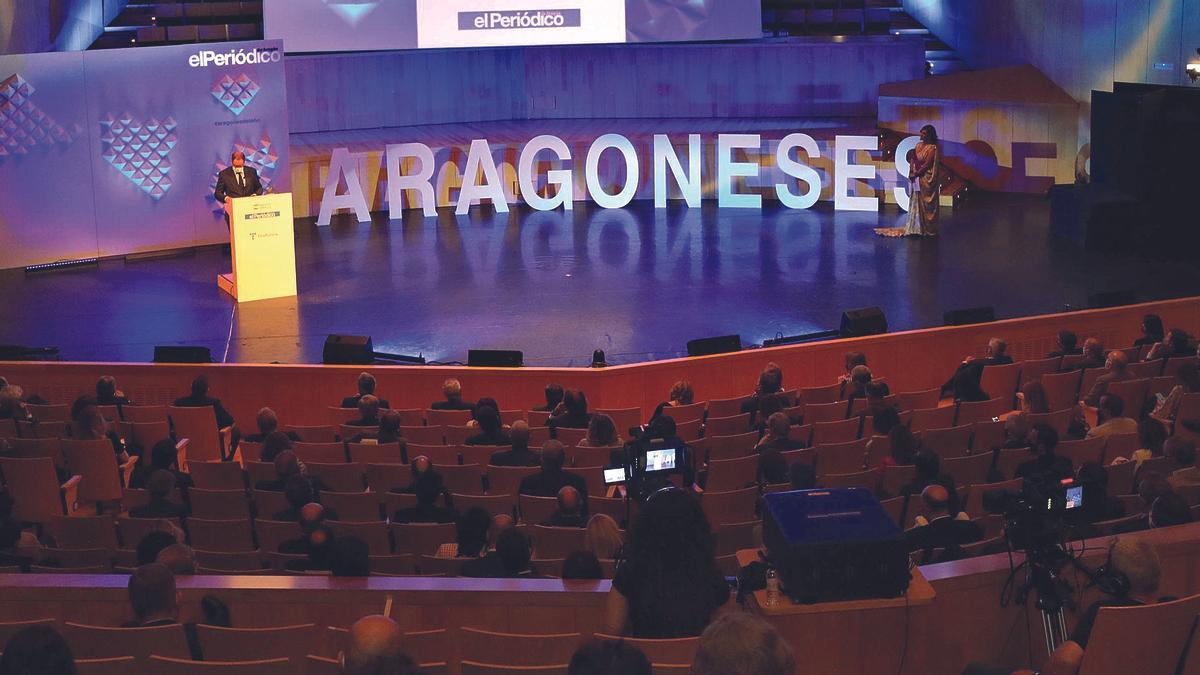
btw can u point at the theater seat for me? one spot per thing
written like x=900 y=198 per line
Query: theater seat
x=121 y=665
x=97 y=642
x=247 y=644
x=517 y=649
x=161 y=665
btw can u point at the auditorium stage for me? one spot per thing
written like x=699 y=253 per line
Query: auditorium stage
x=635 y=282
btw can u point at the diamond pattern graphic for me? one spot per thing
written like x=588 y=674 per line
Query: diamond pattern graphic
x=261 y=157
x=140 y=151
x=352 y=11
x=23 y=125
x=235 y=93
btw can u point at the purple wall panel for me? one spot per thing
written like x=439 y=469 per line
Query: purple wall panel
x=791 y=78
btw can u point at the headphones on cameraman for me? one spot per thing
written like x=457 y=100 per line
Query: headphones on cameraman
x=1111 y=580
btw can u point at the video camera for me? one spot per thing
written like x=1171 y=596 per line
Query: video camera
x=1035 y=517
x=646 y=462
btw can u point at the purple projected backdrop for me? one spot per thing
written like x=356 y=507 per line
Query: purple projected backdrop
x=362 y=25
x=133 y=169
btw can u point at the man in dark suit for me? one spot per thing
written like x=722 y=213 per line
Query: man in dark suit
x=268 y=423
x=520 y=455
x=943 y=529
x=366 y=385
x=511 y=558
x=1093 y=355
x=778 y=428
x=200 y=398
x=1117 y=367
x=1067 y=344
x=237 y=180
x=428 y=488
x=552 y=478
x=995 y=355
x=570 y=510
x=368 y=408
x=452 y=391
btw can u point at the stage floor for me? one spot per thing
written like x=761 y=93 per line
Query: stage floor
x=637 y=283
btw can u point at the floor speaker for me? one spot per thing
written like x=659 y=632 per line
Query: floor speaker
x=495 y=358
x=179 y=354
x=863 y=322
x=348 y=350
x=721 y=344
x=965 y=317
x=1112 y=299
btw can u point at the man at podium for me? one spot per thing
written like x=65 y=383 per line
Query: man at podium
x=237 y=180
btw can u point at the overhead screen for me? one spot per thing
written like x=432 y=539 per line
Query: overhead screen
x=359 y=25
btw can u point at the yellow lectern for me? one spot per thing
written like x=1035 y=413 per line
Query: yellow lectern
x=264 y=248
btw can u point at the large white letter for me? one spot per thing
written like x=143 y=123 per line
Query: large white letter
x=420 y=181
x=592 y=171
x=342 y=165
x=795 y=169
x=559 y=177
x=843 y=171
x=902 y=168
x=480 y=157
x=727 y=170
x=689 y=183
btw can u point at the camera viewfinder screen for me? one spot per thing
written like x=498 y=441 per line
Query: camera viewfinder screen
x=614 y=476
x=660 y=460
x=1075 y=497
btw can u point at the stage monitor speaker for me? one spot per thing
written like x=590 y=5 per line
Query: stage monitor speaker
x=348 y=350
x=721 y=344
x=22 y=353
x=966 y=317
x=863 y=322
x=1112 y=299
x=179 y=354
x=495 y=358
x=835 y=544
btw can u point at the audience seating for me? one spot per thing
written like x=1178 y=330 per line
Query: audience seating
x=818 y=395
x=52 y=412
x=948 y=442
x=678 y=651
x=534 y=510
x=269 y=502
x=353 y=507
x=727 y=426
x=726 y=407
x=421 y=538
x=1001 y=381
x=682 y=413
x=320 y=453
x=932 y=418
x=32 y=448
x=34 y=487
x=987 y=436
x=374 y=534
x=842 y=431
x=845 y=457
x=1062 y=389
x=226 y=561
x=1082 y=451
x=448 y=567
x=731 y=474
x=247 y=644
x=219 y=504
x=556 y=542
x=1060 y=420
x=732 y=446
x=970 y=412
x=404 y=563
x=1033 y=370
x=126 y=665
x=1160 y=632
x=323 y=433
x=217 y=475
x=733 y=537
x=363 y=454
x=340 y=477
x=968 y=470
x=97 y=642
x=447 y=418
x=162 y=665
x=465 y=479
x=824 y=412
x=79 y=532
x=731 y=506
x=514 y=649
x=93 y=460
x=199 y=426
x=223 y=536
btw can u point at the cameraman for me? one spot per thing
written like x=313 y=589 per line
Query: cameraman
x=1137 y=562
x=1046 y=466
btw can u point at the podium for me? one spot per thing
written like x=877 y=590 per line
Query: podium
x=264 y=248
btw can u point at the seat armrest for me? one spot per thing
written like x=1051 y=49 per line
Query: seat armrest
x=127 y=469
x=70 y=494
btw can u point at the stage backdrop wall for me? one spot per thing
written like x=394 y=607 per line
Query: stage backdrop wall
x=790 y=78
x=116 y=151
x=28 y=26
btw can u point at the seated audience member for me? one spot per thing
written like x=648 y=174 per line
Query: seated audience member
x=802 y=476
x=87 y=424
x=368 y=412
x=179 y=558
x=350 y=557
x=298 y=492
x=851 y=360
x=552 y=477
x=669 y=585
x=778 y=428
x=860 y=379
x=1093 y=355
x=153 y=543
x=470 y=534
x=1116 y=370
x=286 y=466
x=155 y=602
x=1066 y=343
x=452 y=397
x=40 y=650
x=942 y=529
x=570 y=510
x=571 y=413
x=742 y=643
x=602 y=433
x=582 y=565
x=903 y=447
x=1016 y=431
x=199 y=398
x=1177 y=344
x=366 y=387
x=509 y=560
x=876 y=393
x=318 y=547
x=681 y=394
x=966 y=389
x=772 y=468
x=312 y=517
x=491 y=432
x=520 y=454
x=1184 y=452
x=483 y=402
x=160 y=485
x=1188 y=377
x=12 y=404
x=1033 y=398
x=1168 y=510
x=770 y=388
x=554 y=396
x=1151 y=436
x=388 y=432
x=608 y=657
x=268 y=423
x=164 y=456
x=428 y=487
x=108 y=394
x=1152 y=331
x=929 y=472
x=1110 y=418
x=994 y=355
x=1138 y=561
x=1046 y=465
x=10 y=539
x=275 y=443
x=603 y=537
x=1098 y=505
x=376 y=648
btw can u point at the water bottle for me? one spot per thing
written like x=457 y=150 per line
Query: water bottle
x=772 y=587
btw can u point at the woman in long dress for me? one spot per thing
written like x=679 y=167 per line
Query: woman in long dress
x=925 y=189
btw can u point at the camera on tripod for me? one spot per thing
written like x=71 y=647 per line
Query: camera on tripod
x=1036 y=516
